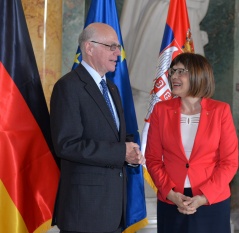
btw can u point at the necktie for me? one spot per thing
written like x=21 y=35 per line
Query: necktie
x=107 y=99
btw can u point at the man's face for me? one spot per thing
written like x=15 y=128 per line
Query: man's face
x=103 y=59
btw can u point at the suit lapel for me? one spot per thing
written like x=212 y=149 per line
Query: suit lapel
x=100 y=101
x=206 y=118
x=174 y=117
x=93 y=90
x=115 y=96
x=118 y=105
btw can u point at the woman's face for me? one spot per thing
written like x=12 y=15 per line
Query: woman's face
x=180 y=80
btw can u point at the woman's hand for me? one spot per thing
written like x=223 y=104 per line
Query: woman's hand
x=180 y=200
x=190 y=206
x=186 y=205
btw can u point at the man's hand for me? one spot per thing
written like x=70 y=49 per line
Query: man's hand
x=133 y=154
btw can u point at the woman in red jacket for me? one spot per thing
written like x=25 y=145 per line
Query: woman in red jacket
x=192 y=152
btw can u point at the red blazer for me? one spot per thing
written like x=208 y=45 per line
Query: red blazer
x=214 y=158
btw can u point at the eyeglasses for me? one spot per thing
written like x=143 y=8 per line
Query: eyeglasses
x=112 y=47
x=179 y=71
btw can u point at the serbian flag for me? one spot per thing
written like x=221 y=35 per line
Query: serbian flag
x=177 y=39
x=105 y=11
x=28 y=172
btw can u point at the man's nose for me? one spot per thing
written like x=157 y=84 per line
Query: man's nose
x=118 y=52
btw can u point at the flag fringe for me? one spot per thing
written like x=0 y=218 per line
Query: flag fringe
x=44 y=227
x=137 y=226
x=149 y=180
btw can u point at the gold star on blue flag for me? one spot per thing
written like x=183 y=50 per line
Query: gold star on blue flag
x=77 y=59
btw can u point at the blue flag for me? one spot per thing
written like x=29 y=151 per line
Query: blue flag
x=104 y=11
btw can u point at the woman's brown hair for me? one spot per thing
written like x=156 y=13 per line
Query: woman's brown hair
x=201 y=76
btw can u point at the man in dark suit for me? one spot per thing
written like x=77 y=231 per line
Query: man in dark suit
x=90 y=138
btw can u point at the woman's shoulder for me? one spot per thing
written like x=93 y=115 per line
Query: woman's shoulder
x=171 y=103
x=212 y=103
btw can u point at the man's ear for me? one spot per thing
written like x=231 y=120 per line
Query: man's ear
x=89 y=48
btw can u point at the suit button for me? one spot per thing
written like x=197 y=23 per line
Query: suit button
x=121 y=174
x=187 y=165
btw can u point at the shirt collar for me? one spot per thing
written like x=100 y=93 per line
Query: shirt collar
x=94 y=74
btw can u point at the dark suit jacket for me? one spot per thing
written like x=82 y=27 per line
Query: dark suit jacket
x=91 y=195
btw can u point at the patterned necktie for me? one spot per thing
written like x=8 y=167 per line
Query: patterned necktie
x=107 y=99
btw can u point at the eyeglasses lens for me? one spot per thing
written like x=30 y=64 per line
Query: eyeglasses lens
x=179 y=71
x=114 y=46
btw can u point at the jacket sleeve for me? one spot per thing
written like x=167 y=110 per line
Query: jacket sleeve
x=153 y=155
x=227 y=164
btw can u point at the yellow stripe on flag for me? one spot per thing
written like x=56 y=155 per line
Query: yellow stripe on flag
x=44 y=227
x=149 y=180
x=10 y=218
x=137 y=226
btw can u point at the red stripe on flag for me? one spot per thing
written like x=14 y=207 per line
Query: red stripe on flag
x=27 y=167
x=178 y=20
x=177 y=39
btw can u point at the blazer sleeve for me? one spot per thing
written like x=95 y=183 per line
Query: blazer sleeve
x=154 y=152
x=227 y=164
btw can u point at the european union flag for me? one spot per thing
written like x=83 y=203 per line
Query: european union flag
x=105 y=11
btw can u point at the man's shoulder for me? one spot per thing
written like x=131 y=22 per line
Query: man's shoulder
x=77 y=74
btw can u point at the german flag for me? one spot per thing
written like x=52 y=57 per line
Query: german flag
x=28 y=171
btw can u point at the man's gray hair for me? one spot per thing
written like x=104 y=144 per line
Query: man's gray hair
x=86 y=34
